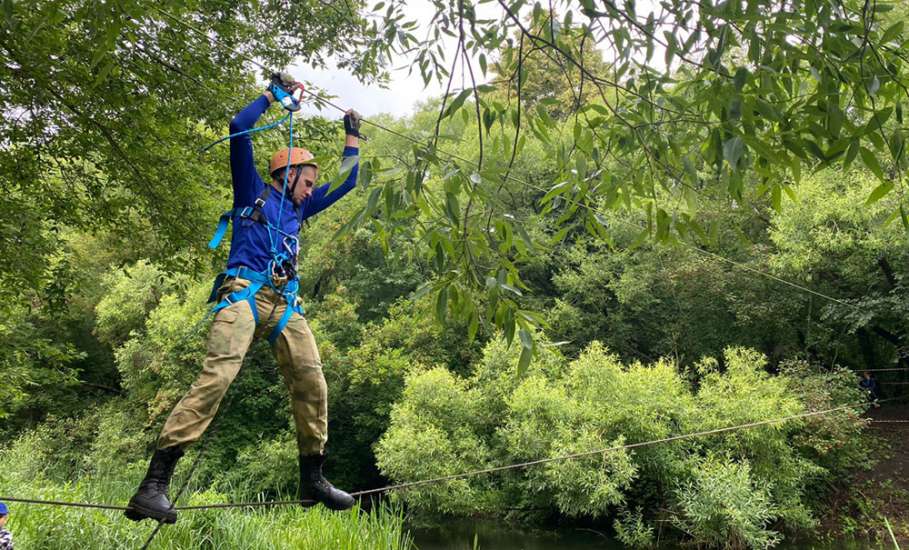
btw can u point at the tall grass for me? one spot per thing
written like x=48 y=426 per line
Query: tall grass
x=48 y=527
x=287 y=527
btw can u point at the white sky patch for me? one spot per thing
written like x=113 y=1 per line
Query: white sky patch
x=405 y=92
x=400 y=99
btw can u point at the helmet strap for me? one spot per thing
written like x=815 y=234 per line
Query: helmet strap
x=293 y=186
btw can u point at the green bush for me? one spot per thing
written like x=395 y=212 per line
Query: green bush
x=732 y=488
x=633 y=530
x=132 y=292
x=36 y=369
x=365 y=381
x=721 y=505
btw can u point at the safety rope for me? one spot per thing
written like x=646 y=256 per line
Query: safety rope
x=290 y=148
x=484 y=471
x=274 y=124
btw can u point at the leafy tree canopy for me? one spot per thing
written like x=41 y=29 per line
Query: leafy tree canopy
x=697 y=104
x=667 y=111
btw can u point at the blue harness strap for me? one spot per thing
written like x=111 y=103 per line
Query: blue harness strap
x=257 y=281
x=290 y=298
x=223 y=222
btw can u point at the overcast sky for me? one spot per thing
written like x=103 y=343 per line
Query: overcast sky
x=399 y=99
x=405 y=92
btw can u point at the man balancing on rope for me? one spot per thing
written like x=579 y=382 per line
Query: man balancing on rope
x=256 y=295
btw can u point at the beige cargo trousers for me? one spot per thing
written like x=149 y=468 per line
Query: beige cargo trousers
x=232 y=332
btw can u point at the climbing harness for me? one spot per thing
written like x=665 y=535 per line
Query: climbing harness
x=281 y=273
x=288 y=289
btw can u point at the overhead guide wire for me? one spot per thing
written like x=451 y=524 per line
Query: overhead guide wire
x=455 y=156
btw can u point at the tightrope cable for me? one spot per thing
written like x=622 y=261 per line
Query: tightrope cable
x=614 y=448
x=484 y=471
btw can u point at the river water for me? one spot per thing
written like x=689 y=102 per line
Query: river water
x=460 y=534
x=490 y=535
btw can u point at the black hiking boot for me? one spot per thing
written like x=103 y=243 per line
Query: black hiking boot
x=315 y=488
x=151 y=500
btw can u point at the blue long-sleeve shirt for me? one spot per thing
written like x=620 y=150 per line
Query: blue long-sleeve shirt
x=250 y=243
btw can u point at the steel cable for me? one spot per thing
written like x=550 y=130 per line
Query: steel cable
x=484 y=471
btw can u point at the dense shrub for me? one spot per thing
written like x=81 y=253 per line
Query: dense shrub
x=734 y=487
x=721 y=505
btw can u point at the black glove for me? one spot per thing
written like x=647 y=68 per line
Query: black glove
x=352 y=123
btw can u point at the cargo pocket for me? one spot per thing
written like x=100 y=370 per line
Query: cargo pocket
x=223 y=329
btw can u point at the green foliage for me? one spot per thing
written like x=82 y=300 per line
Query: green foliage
x=590 y=208
x=365 y=381
x=131 y=294
x=35 y=369
x=433 y=434
x=825 y=241
x=664 y=302
x=723 y=506
x=632 y=530
x=356 y=266
x=824 y=231
x=267 y=465
x=24 y=465
x=157 y=364
x=592 y=407
x=833 y=445
x=744 y=101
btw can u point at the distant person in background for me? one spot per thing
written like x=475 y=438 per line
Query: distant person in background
x=6 y=538
x=869 y=384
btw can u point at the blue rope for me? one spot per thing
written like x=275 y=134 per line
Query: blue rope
x=251 y=131
x=274 y=230
x=290 y=148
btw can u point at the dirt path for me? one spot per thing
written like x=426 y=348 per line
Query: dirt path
x=891 y=423
x=882 y=492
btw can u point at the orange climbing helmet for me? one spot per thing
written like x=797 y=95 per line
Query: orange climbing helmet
x=298 y=156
